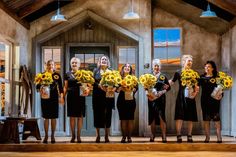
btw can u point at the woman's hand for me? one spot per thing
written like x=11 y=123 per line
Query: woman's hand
x=219 y=97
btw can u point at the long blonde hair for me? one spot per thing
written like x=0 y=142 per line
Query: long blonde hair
x=108 y=61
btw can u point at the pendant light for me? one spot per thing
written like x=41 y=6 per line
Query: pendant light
x=58 y=17
x=208 y=13
x=131 y=14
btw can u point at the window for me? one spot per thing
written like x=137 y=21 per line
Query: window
x=52 y=54
x=167 y=45
x=127 y=55
x=5 y=90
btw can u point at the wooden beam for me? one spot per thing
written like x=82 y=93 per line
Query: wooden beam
x=233 y=22
x=14 y=16
x=229 y=6
x=38 y=4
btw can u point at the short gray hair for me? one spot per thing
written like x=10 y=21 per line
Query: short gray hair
x=77 y=60
x=184 y=59
x=156 y=62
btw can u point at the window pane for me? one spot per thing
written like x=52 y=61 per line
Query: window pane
x=89 y=59
x=167 y=46
x=97 y=56
x=81 y=57
x=127 y=55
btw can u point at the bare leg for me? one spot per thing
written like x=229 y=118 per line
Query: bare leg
x=218 y=132
x=107 y=131
x=153 y=130
x=178 y=125
x=130 y=129
x=207 y=131
x=72 y=128
x=163 y=129
x=53 y=128
x=98 y=135
x=46 y=125
x=79 y=127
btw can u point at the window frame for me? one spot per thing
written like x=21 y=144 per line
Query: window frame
x=169 y=66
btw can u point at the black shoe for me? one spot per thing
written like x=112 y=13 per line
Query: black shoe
x=219 y=141
x=107 y=140
x=98 y=139
x=189 y=139
x=179 y=138
x=123 y=139
x=72 y=140
x=152 y=139
x=164 y=140
x=129 y=140
x=45 y=140
x=53 y=140
x=207 y=139
x=78 y=140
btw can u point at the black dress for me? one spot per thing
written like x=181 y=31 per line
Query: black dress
x=156 y=108
x=50 y=106
x=210 y=106
x=126 y=108
x=185 y=108
x=102 y=106
x=75 y=102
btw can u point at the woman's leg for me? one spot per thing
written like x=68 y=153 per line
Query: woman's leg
x=190 y=128
x=53 y=128
x=163 y=130
x=98 y=135
x=207 y=131
x=153 y=130
x=218 y=131
x=79 y=127
x=107 y=132
x=130 y=124
x=123 y=130
x=72 y=128
x=46 y=125
x=178 y=125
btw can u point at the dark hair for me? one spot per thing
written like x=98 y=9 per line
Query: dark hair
x=213 y=64
x=122 y=69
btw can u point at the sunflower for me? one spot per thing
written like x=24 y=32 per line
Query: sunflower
x=212 y=80
x=56 y=77
x=162 y=77
x=183 y=83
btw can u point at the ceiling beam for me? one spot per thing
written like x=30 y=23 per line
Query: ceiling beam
x=225 y=5
x=14 y=16
x=38 y=4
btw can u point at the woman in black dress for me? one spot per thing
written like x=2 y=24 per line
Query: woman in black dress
x=126 y=108
x=185 y=109
x=157 y=105
x=75 y=102
x=102 y=106
x=50 y=106
x=210 y=106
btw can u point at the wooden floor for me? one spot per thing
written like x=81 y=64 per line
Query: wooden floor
x=119 y=154
x=139 y=144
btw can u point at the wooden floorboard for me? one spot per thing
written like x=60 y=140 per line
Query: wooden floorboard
x=138 y=144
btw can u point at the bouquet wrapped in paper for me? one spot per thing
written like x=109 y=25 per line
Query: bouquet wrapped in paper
x=110 y=80
x=148 y=81
x=189 y=80
x=85 y=78
x=223 y=82
x=44 y=79
x=128 y=83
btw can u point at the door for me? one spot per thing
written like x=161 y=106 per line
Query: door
x=88 y=56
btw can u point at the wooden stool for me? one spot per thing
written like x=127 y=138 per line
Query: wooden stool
x=31 y=129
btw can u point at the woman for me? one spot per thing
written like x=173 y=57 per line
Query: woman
x=50 y=106
x=102 y=106
x=185 y=109
x=126 y=108
x=75 y=102
x=156 y=106
x=210 y=106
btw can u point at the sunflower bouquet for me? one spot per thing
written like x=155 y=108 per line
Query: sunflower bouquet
x=110 y=80
x=223 y=82
x=189 y=80
x=85 y=78
x=148 y=81
x=128 y=83
x=44 y=79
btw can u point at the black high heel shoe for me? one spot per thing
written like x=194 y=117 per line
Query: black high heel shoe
x=72 y=139
x=45 y=140
x=123 y=139
x=98 y=139
x=164 y=140
x=207 y=139
x=179 y=138
x=129 y=140
x=189 y=139
x=152 y=139
x=53 y=140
